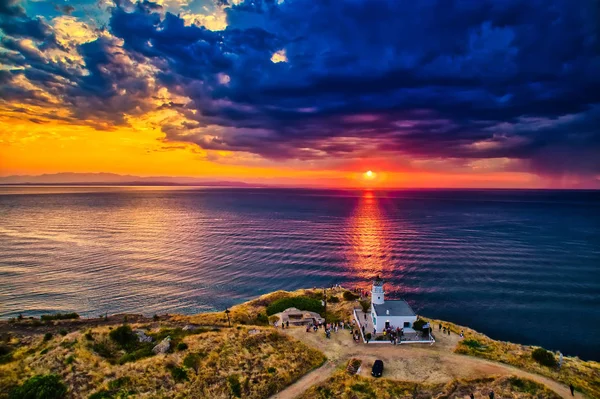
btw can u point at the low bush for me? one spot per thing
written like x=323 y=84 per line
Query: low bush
x=63 y=332
x=140 y=353
x=47 y=336
x=234 y=385
x=299 y=302
x=182 y=346
x=193 y=361
x=125 y=337
x=40 y=387
x=418 y=325
x=103 y=349
x=544 y=357
x=333 y=299
x=59 y=316
x=179 y=374
x=349 y=296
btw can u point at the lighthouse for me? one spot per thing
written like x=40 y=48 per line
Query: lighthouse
x=395 y=313
x=377 y=293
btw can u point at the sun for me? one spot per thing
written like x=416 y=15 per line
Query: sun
x=369 y=175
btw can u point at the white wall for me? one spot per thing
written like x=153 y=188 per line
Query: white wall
x=395 y=321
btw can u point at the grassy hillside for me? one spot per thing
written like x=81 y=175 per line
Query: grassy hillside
x=584 y=375
x=344 y=386
x=220 y=363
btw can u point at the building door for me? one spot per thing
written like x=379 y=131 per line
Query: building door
x=406 y=324
x=387 y=324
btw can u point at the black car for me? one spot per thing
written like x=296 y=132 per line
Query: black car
x=377 y=369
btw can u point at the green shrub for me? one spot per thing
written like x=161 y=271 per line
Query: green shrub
x=299 y=302
x=4 y=349
x=179 y=374
x=271 y=370
x=262 y=319
x=47 y=336
x=365 y=306
x=44 y=351
x=192 y=361
x=333 y=299
x=544 y=357
x=40 y=387
x=103 y=349
x=123 y=336
x=119 y=383
x=70 y=359
x=522 y=385
x=155 y=317
x=349 y=296
x=418 y=325
x=182 y=346
x=59 y=316
x=368 y=336
x=88 y=335
x=144 y=351
x=63 y=332
x=234 y=385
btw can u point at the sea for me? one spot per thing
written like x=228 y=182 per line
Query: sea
x=517 y=265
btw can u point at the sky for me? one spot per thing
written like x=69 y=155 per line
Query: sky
x=303 y=92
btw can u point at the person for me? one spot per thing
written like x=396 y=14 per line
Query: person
x=287 y=324
x=491 y=394
x=572 y=388
x=365 y=317
x=472 y=396
x=440 y=326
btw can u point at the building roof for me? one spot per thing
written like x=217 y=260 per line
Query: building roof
x=396 y=308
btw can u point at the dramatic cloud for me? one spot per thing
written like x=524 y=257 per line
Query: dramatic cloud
x=517 y=82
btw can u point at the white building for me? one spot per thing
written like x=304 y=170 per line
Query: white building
x=393 y=314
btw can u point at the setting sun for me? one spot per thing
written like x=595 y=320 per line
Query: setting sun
x=370 y=175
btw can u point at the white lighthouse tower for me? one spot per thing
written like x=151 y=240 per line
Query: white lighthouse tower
x=377 y=293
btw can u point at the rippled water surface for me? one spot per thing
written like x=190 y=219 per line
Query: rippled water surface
x=517 y=265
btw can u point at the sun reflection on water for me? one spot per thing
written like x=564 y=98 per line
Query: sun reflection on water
x=369 y=237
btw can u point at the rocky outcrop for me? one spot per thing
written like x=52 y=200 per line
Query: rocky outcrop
x=142 y=337
x=163 y=346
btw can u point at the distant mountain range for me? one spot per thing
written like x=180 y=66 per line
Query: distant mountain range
x=113 y=179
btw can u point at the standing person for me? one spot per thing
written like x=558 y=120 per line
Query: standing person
x=491 y=394
x=572 y=388
x=472 y=396
x=440 y=327
x=287 y=324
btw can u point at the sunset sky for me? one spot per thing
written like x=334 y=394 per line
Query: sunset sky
x=304 y=92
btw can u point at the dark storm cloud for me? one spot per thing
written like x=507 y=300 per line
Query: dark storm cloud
x=445 y=79
x=11 y=8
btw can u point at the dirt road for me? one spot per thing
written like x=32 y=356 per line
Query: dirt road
x=418 y=363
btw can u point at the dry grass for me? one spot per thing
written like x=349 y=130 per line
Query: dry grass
x=263 y=360
x=343 y=386
x=584 y=375
x=248 y=313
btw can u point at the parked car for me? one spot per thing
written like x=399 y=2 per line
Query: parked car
x=377 y=369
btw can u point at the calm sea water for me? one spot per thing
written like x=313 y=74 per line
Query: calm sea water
x=522 y=266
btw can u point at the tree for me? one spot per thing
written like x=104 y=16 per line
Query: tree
x=366 y=306
x=40 y=387
x=544 y=357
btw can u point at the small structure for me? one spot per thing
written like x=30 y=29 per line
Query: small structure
x=390 y=313
x=299 y=317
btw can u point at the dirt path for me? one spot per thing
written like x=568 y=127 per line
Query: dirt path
x=418 y=363
x=313 y=378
